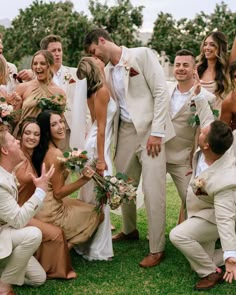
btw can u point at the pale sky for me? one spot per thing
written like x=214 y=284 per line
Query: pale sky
x=178 y=8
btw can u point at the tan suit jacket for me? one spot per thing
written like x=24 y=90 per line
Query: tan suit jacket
x=218 y=206
x=178 y=149
x=11 y=215
x=146 y=93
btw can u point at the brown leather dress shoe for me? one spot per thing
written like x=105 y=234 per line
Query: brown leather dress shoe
x=152 y=259
x=209 y=281
x=134 y=235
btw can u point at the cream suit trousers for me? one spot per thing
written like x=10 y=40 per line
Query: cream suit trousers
x=21 y=267
x=131 y=158
x=181 y=181
x=195 y=238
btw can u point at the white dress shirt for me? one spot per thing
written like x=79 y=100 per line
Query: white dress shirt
x=178 y=100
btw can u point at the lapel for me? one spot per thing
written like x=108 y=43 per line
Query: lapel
x=10 y=181
x=126 y=63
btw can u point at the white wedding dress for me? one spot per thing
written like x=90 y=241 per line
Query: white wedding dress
x=100 y=247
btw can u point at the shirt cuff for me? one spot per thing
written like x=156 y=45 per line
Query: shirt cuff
x=228 y=254
x=158 y=134
x=40 y=194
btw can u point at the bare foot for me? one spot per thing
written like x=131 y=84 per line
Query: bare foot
x=71 y=275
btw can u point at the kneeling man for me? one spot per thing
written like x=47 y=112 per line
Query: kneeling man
x=214 y=174
x=17 y=242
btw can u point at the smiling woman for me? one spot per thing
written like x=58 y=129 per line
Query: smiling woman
x=30 y=93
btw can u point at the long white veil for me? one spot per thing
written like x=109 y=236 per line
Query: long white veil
x=78 y=114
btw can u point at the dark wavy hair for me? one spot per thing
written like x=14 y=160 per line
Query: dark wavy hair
x=221 y=65
x=232 y=73
x=40 y=151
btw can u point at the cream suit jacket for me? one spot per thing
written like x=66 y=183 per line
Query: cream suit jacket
x=178 y=149
x=146 y=93
x=68 y=76
x=218 y=206
x=11 y=214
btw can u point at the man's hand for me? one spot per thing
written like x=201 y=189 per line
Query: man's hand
x=154 y=145
x=197 y=83
x=26 y=75
x=230 y=266
x=42 y=181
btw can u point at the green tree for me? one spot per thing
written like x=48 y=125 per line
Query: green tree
x=166 y=35
x=122 y=21
x=40 y=19
x=171 y=35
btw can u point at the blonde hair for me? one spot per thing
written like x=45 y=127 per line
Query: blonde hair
x=49 y=61
x=3 y=71
x=3 y=141
x=88 y=69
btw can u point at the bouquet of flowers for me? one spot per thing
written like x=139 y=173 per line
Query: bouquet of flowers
x=6 y=111
x=75 y=160
x=55 y=103
x=111 y=190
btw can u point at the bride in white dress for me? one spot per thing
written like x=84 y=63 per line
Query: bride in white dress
x=98 y=145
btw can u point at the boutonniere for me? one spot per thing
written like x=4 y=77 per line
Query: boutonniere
x=198 y=186
x=67 y=76
x=193 y=119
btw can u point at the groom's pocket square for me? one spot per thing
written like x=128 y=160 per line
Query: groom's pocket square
x=71 y=81
x=133 y=72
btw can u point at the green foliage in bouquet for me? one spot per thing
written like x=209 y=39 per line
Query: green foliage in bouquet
x=113 y=190
x=54 y=103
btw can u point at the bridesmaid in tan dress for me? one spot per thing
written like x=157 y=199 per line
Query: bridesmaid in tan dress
x=78 y=219
x=213 y=66
x=53 y=253
x=29 y=93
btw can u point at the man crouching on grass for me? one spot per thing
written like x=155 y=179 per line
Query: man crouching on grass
x=211 y=201
x=17 y=242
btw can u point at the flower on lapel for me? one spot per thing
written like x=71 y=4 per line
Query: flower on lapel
x=193 y=119
x=67 y=76
x=198 y=186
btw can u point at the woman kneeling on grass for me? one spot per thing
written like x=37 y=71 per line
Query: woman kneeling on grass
x=53 y=253
x=78 y=219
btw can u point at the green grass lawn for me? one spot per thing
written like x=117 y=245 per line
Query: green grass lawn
x=123 y=275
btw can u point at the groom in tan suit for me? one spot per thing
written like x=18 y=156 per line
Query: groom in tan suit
x=17 y=242
x=211 y=194
x=142 y=125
